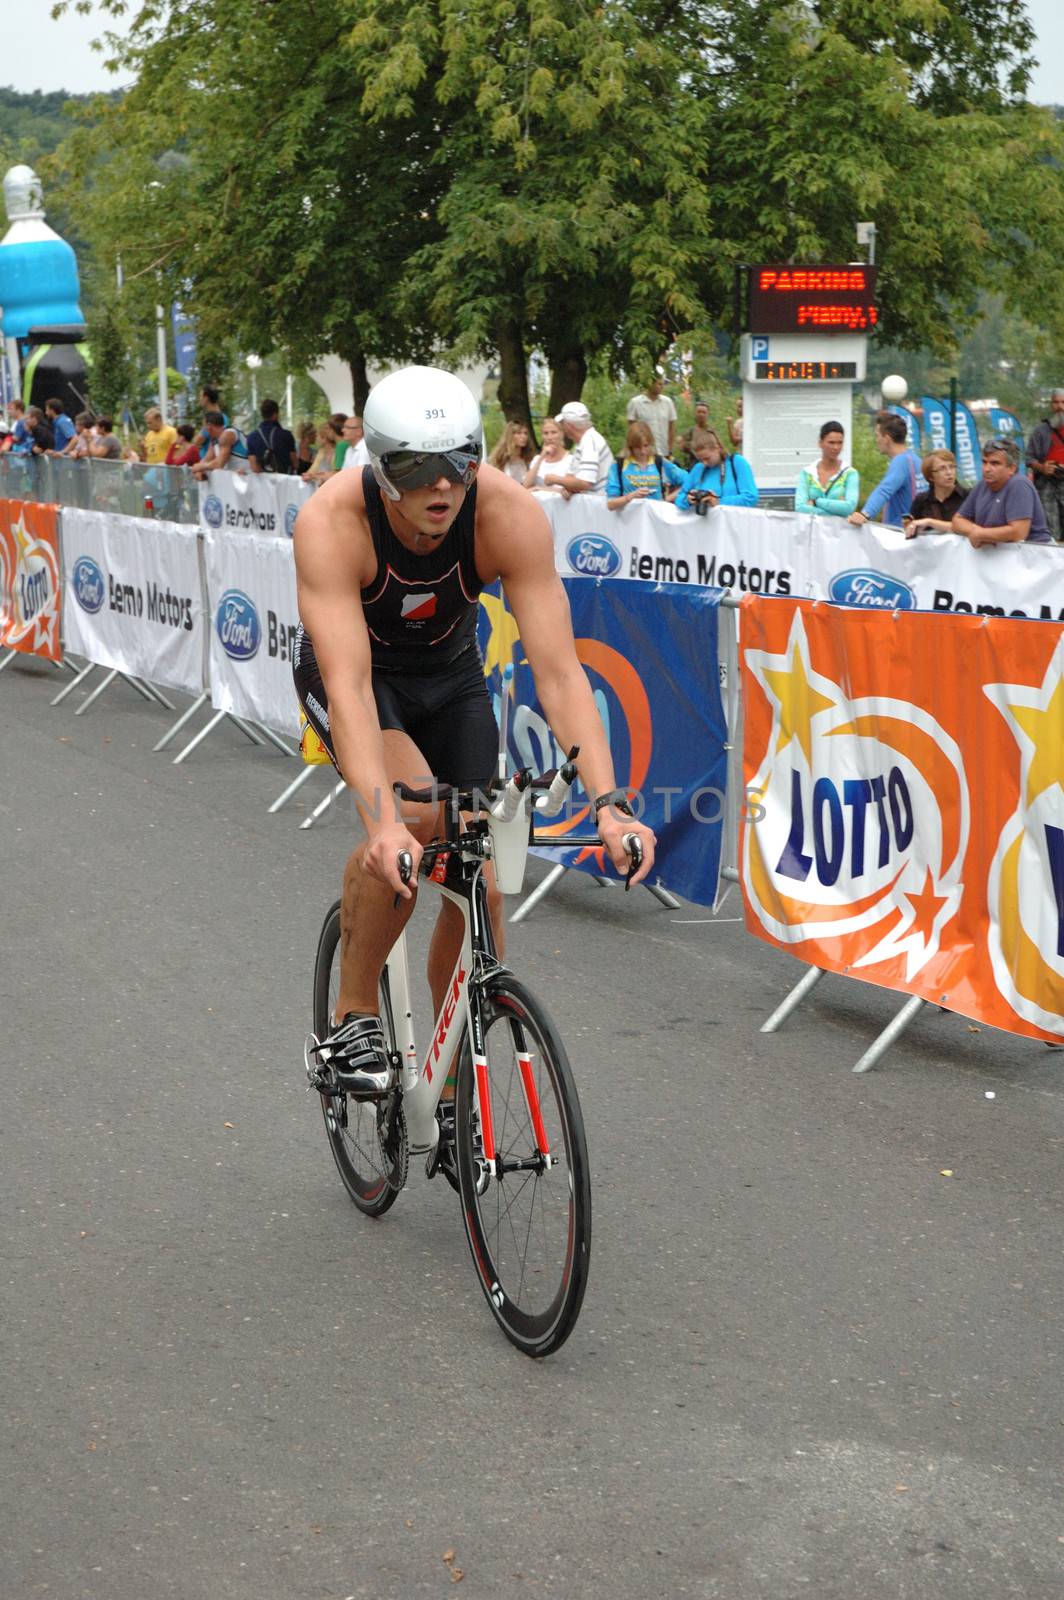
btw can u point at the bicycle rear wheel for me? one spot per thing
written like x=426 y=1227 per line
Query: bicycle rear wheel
x=351 y=1125
x=529 y=1222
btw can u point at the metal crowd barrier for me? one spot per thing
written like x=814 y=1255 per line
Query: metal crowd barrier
x=128 y=488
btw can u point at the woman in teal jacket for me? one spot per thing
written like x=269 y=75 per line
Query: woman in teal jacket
x=829 y=487
x=716 y=479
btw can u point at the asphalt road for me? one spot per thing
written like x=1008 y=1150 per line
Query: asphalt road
x=808 y=1362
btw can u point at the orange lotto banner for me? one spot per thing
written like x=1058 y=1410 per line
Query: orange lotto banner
x=905 y=824
x=29 y=578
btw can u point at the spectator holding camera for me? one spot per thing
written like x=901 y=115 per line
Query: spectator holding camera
x=717 y=478
x=1045 y=464
x=829 y=486
x=640 y=474
x=934 y=510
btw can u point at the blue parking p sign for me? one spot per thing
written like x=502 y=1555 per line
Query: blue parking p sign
x=759 y=349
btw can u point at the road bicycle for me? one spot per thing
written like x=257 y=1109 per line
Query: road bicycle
x=515 y=1148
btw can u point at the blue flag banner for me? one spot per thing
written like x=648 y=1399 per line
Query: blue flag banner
x=650 y=653
x=184 y=340
x=1006 y=424
x=965 y=445
x=912 y=426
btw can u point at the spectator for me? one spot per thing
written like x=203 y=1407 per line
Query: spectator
x=899 y=485
x=1045 y=464
x=553 y=458
x=1005 y=508
x=306 y=446
x=700 y=425
x=829 y=486
x=735 y=425
x=641 y=474
x=271 y=448
x=324 y=464
x=227 y=450
x=210 y=400
x=591 y=456
x=655 y=407
x=42 y=438
x=158 y=437
x=78 y=448
x=105 y=445
x=184 y=451
x=22 y=443
x=513 y=453
x=934 y=510
x=357 y=451
x=716 y=479
x=60 y=424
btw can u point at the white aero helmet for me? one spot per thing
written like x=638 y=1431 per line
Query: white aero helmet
x=421 y=423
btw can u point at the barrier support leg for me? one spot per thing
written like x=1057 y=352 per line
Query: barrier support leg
x=11 y=654
x=891 y=1032
x=286 y=795
x=104 y=683
x=87 y=670
x=541 y=889
x=246 y=728
x=664 y=895
x=808 y=981
x=274 y=739
x=183 y=719
x=150 y=692
x=208 y=727
x=323 y=805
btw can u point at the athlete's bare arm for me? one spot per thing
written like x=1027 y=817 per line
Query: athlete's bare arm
x=334 y=561
x=514 y=542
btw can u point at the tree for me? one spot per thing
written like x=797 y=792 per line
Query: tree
x=110 y=368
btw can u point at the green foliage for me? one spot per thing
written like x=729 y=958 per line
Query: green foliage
x=110 y=368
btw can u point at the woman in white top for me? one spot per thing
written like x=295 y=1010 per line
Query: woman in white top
x=553 y=457
x=513 y=453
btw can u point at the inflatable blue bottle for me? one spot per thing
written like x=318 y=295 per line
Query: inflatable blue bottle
x=38 y=270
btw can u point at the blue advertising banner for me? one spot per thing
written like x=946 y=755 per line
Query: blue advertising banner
x=912 y=426
x=650 y=652
x=1006 y=424
x=184 y=340
x=965 y=444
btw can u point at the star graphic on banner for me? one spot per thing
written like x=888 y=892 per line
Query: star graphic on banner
x=1044 y=727
x=926 y=907
x=505 y=634
x=798 y=701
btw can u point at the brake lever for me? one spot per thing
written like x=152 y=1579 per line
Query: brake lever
x=405 y=862
x=633 y=846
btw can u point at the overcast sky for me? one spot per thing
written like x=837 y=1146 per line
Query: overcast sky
x=37 y=53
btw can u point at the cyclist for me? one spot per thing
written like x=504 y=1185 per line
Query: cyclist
x=390 y=562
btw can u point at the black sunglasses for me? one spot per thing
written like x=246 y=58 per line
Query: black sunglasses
x=416 y=469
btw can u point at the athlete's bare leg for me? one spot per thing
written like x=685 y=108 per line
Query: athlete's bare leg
x=370 y=922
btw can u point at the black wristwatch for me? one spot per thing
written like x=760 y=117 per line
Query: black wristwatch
x=617 y=799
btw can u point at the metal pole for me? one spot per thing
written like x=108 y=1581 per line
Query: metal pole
x=8 y=659
x=666 y=897
x=274 y=739
x=323 y=805
x=96 y=693
x=85 y=672
x=160 y=356
x=288 y=401
x=809 y=981
x=219 y=716
x=953 y=415
x=898 y=1026
x=184 y=718
x=286 y=794
x=538 y=892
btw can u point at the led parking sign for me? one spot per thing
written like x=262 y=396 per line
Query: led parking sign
x=821 y=299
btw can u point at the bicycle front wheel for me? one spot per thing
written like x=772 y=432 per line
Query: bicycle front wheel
x=351 y=1125
x=523 y=1170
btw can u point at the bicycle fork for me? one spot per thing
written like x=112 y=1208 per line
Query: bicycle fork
x=498 y=1165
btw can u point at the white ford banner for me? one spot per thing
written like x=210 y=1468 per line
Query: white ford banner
x=251 y=502
x=778 y=552
x=134 y=596
x=251 y=583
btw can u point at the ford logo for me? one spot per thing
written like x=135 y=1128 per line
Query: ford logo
x=290 y=515
x=213 y=511
x=88 y=584
x=593 y=556
x=237 y=623
x=862 y=587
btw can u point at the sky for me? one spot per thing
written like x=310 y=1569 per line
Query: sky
x=37 y=53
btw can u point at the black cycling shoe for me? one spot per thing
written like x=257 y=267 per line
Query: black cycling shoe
x=354 y=1051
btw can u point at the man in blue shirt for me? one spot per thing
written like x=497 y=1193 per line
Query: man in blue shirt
x=60 y=423
x=1006 y=507
x=902 y=481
